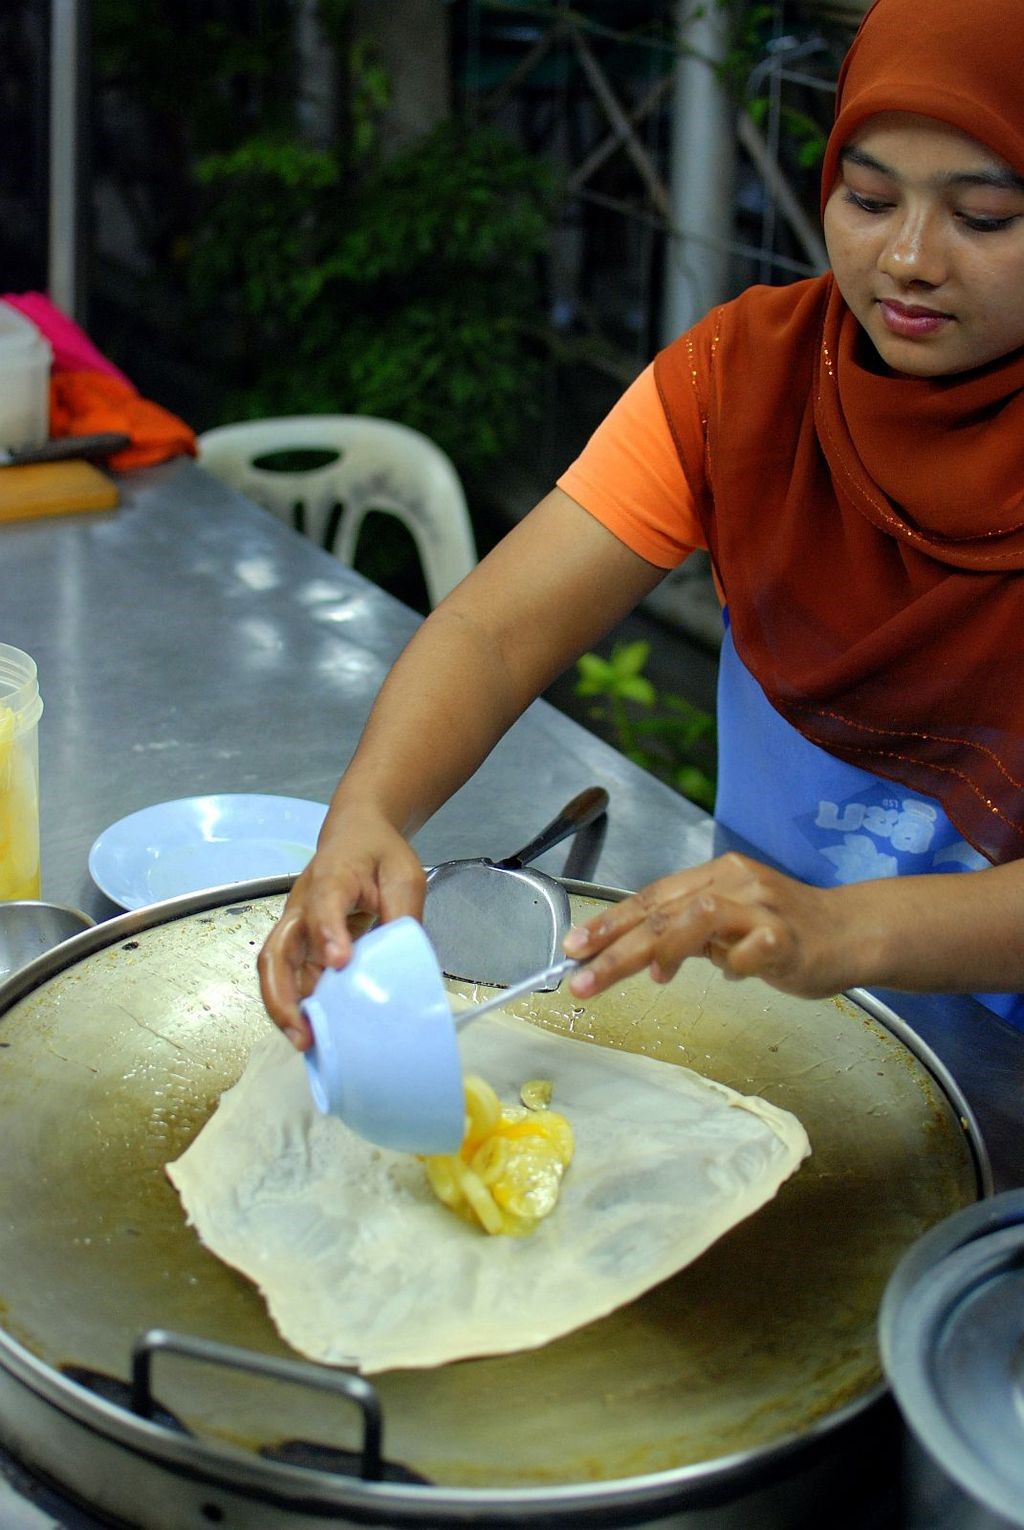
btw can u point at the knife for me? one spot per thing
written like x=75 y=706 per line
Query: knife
x=64 y=447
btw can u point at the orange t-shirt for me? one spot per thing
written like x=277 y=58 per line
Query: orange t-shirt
x=629 y=476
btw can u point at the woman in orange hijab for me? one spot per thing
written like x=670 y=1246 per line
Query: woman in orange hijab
x=850 y=451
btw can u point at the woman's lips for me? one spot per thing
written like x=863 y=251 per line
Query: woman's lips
x=909 y=322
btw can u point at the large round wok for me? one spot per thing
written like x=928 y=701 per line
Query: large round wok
x=114 y=1049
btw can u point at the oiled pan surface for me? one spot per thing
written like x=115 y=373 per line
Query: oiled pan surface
x=109 y=1068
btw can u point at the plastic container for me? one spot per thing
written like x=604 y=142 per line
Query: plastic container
x=25 y=360
x=20 y=710
x=384 y=1056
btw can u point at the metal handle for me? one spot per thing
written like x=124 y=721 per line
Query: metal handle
x=63 y=447
x=353 y=1388
x=528 y=985
x=583 y=809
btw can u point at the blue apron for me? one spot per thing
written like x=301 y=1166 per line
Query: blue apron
x=818 y=818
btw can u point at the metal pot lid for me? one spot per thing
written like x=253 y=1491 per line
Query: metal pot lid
x=951 y=1329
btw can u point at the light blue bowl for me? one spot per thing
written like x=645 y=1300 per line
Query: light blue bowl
x=384 y=1056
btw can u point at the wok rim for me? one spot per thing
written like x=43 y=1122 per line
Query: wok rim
x=218 y=1462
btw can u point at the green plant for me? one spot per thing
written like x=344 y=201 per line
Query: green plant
x=406 y=289
x=806 y=137
x=803 y=134
x=662 y=732
x=292 y=272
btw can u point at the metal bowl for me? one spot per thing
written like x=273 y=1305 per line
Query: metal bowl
x=28 y=928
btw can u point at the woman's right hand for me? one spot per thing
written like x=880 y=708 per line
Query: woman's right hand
x=363 y=872
x=544 y=594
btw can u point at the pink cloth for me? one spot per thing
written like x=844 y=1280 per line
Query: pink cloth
x=89 y=395
x=73 y=351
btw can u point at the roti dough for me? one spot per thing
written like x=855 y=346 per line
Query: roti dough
x=362 y=1266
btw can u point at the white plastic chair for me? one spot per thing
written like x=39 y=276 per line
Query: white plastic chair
x=380 y=465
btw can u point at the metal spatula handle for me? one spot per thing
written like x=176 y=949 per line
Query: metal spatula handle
x=583 y=809
x=529 y=985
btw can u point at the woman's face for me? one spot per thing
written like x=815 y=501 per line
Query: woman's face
x=925 y=233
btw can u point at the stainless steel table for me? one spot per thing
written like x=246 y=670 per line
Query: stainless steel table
x=188 y=643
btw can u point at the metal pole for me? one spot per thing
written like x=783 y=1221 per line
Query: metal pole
x=702 y=155
x=68 y=155
x=316 y=70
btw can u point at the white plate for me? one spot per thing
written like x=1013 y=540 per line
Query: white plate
x=198 y=842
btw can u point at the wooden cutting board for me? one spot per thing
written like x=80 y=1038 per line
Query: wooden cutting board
x=54 y=488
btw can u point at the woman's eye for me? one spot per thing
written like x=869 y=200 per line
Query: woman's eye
x=979 y=225
x=867 y=204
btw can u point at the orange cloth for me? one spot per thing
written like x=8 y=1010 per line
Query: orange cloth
x=630 y=478
x=89 y=403
x=868 y=527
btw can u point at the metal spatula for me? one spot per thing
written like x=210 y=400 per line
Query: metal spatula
x=537 y=982
x=496 y=922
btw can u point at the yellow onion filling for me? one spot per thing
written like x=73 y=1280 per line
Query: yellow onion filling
x=508 y=1172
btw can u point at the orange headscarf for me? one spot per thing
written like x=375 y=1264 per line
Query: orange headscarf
x=868 y=528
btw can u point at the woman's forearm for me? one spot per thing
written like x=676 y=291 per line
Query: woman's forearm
x=956 y=933
x=946 y=933
x=549 y=590
x=444 y=705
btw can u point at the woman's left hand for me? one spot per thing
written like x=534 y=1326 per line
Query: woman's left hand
x=746 y=918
